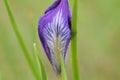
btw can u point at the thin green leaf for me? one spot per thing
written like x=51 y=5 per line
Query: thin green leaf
x=74 y=41
x=40 y=64
x=64 y=76
x=20 y=40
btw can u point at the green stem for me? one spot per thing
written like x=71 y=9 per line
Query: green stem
x=21 y=42
x=63 y=76
x=74 y=41
x=39 y=63
x=37 y=60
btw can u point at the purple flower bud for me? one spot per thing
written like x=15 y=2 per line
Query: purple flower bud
x=55 y=32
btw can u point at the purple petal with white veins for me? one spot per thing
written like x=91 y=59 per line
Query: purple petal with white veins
x=55 y=32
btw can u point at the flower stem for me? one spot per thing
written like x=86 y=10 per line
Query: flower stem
x=74 y=41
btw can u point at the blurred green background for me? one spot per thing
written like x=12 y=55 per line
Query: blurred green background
x=98 y=39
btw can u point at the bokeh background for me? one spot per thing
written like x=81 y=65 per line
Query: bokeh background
x=98 y=40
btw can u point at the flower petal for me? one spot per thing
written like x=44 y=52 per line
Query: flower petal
x=55 y=33
x=53 y=6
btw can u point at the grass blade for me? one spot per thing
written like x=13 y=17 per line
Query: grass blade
x=20 y=40
x=40 y=64
x=74 y=41
x=64 y=76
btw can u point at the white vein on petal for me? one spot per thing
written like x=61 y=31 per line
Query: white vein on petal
x=56 y=29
